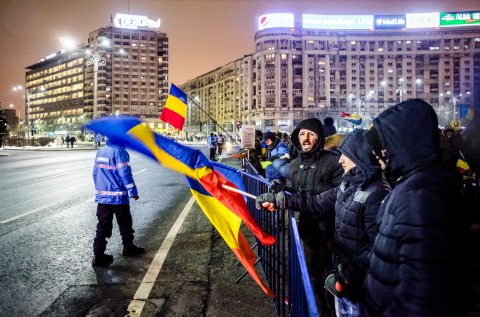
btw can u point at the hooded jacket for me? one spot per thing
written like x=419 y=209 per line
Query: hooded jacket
x=112 y=176
x=313 y=173
x=354 y=204
x=416 y=266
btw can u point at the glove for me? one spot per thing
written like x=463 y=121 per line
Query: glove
x=277 y=185
x=349 y=272
x=266 y=200
x=280 y=200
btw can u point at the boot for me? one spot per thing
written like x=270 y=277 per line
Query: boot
x=103 y=260
x=132 y=250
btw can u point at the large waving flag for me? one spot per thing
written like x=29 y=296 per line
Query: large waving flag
x=352 y=117
x=228 y=226
x=175 y=109
x=225 y=209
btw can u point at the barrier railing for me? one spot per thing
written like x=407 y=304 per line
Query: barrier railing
x=283 y=263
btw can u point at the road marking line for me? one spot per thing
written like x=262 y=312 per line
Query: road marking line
x=135 y=307
x=140 y=171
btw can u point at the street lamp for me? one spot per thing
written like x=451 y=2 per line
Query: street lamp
x=455 y=99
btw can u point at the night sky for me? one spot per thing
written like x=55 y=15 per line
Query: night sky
x=203 y=34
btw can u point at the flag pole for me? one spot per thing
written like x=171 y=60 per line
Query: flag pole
x=214 y=121
x=236 y=190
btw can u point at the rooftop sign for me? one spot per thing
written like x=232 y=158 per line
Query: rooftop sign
x=423 y=20
x=339 y=22
x=128 y=21
x=388 y=22
x=275 y=20
x=459 y=18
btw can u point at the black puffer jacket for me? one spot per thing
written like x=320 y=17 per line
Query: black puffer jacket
x=355 y=204
x=416 y=268
x=314 y=173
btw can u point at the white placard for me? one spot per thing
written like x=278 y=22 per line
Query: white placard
x=248 y=136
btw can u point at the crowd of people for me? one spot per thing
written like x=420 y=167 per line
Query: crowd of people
x=386 y=216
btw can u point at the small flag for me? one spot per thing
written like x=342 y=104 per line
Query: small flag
x=462 y=165
x=175 y=110
x=353 y=118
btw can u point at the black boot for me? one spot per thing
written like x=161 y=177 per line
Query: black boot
x=132 y=250
x=102 y=260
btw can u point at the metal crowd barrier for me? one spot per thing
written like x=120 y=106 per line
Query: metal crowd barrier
x=283 y=263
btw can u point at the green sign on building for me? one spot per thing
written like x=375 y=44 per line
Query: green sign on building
x=459 y=18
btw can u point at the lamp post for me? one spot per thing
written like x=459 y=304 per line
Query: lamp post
x=96 y=60
x=455 y=99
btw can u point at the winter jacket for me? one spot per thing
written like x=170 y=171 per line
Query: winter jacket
x=212 y=141
x=112 y=176
x=416 y=268
x=313 y=173
x=354 y=204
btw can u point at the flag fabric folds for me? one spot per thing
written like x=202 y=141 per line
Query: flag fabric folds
x=225 y=209
x=462 y=165
x=351 y=117
x=175 y=109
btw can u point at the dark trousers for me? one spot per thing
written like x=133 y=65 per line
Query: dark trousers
x=212 y=153
x=105 y=215
x=318 y=257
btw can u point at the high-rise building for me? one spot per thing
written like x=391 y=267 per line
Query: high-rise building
x=325 y=65
x=122 y=69
x=133 y=78
x=54 y=92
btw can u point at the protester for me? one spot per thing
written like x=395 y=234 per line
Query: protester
x=212 y=146
x=114 y=185
x=450 y=152
x=354 y=205
x=329 y=127
x=417 y=267
x=220 y=143
x=72 y=140
x=314 y=171
x=277 y=159
x=67 y=140
x=98 y=139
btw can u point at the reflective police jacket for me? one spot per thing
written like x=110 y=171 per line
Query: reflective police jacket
x=112 y=176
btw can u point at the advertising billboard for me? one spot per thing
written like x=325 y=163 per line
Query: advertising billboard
x=130 y=21
x=275 y=20
x=459 y=18
x=389 y=22
x=338 y=22
x=423 y=20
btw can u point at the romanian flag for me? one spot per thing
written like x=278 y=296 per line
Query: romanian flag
x=175 y=110
x=353 y=118
x=228 y=226
x=225 y=209
x=462 y=165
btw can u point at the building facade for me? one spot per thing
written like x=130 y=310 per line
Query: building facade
x=120 y=70
x=317 y=69
x=54 y=93
x=132 y=76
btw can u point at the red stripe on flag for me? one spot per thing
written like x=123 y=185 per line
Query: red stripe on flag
x=172 y=118
x=246 y=256
x=213 y=182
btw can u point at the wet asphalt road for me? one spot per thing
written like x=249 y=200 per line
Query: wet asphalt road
x=47 y=225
